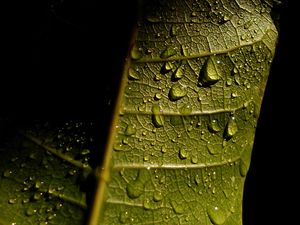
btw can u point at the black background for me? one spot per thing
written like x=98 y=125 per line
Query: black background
x=60 y=60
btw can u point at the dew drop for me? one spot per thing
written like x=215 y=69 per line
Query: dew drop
x=157 y=96
x=157 y=196
x=136 y=187
x=216 y=215
x=183 y=154
x=153 y=19
x=85 y=152
x=243 y=168
x=214 y=126
x=163 y=149
x=197 y=179
x=177 y=92
x=12 y=201
x=178 y=74
x=229 y=82
x=37 y=196
x=231 y=128
x=25 y=200
x=214 y=149
x=133 y=75
x=136 y=53
x=30 y=212
x=168 y=52
x=157 y=117
x=130 y=130
x=186 y=109
x=178 y=208
x=166 y=67
x=7 y=173
x=173 y=30
x=194 y=159
x=157 y=78
x=248 y=24
x=124 y=217
x=147 y=204
x=234 y=71
x=209 y=75
x=184 y=50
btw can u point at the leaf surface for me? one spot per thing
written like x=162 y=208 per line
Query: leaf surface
x=186 y=114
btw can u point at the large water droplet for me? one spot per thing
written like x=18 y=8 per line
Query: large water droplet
x=216 y=215
x=168 y=52
x=209 y=74
x=157 y=117
x=214 y=149
x=133 y=75
x=147 y=204
x=231 y=128
x=130 y=130
x=186 y=110
x=214 y=126
x=177 y=92
x=136 y=187
x=136 y=53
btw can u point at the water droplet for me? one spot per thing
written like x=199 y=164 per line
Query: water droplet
x=214 y=149
x=136 y=187
x=38 y=184
x=85 y=152
x=133 y=75
x=198 y=179
x=146 y=158
x=166 y=67
x=209 y=75
x=157 y=96
x=25 y=200
x=153 y=19
x=248 y=24
x=186 y=109
x=157 y=196
x=234 y=71
x=147 y=204
x=163 y=149
x=168 y=52
x=173 y=30
x=194 y=159
x=231 y=128
x=157 y=77
x=178 y=208
x=229 y=81
x=243 y=168
x=193 y=14
x=7 y=173
x=178 y=74
x=130 y=130
x=12 y=201
x=184 y=50
x=136 y=53
x=157 y=117
x=216 y=215
x=124 y=217
x=177 y=92
x=183 y=154
x=214 y=126
x=37 y=196
x=30 y=212
x=234 y=94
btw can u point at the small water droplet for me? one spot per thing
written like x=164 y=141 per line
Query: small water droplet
x=30 y=212
x=157 y=77
x=186 y=109
x=146 y=158
x=124 y=217
x=136 y=53
x=216 y=215
x=214 y=126
x=248 y=24
x=229 y=81
x=163 y=149
x=178 y=208
x=234 y=71
x=37 y=196
x=25 y=200
x=153 y=19
x=194 y=159
x=231 y=128
x=184 y=50
x=166 y=67
x=173 y=30
x=197 y=179
x=178 y=74
x=157 y=96
x=234 y=94
x=168 y=52
x=157 y=196
x=157 y=117
x=133 y=75
x=7 y=173
x=147 y=204
x=38 y=184
x=177 y=92
x=243 y=168
x=183 y=154
x=214 y=149
x=12 y=201
x=130 y=130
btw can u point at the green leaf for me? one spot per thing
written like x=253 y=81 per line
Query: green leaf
x=187 y=159
x=40 y=178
